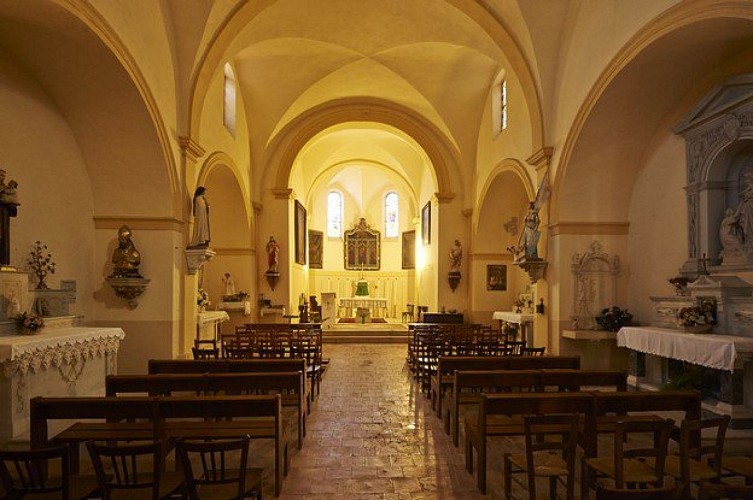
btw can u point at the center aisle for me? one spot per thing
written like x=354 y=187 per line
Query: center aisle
x=371 y=435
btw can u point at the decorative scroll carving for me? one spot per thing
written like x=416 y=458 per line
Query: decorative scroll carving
x=744 y=317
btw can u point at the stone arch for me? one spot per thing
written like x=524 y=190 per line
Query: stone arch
x=220 y=159
x=211 y=59
x=94 y=21
x=506 y=165
x=672 y=20
x=288 y=143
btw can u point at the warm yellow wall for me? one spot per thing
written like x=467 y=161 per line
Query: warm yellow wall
x=40 y=152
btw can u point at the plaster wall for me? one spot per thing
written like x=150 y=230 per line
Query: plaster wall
x=658 y=224
x=152 y=329
x=40 y=152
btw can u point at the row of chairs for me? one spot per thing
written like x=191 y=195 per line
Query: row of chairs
x=208 y=469
x=637 y=462
x=428 y=342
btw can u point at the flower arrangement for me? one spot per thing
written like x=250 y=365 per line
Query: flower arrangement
x=40 y=262
x=700 y=314
x=202 y=299
x=30 y=323
x=613 y=318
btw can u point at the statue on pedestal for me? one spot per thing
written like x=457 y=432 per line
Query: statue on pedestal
x=8 y=208
x=528 y=243
x=125 y=259
x=200 y=236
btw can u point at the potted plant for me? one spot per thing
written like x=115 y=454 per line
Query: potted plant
x=613 y=318
x=698 y=318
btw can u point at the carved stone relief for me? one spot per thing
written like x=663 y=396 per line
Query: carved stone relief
x=595 y=277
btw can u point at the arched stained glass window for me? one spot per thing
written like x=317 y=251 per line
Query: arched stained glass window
x=334 y=214
x=391 y=215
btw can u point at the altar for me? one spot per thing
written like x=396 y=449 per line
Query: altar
x=377 y=306
x=731 y=355
x=70 y=361
x=525 y=320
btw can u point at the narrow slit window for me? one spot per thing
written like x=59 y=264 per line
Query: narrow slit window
x=503 y=105
x=228 y=110
x=391 y=215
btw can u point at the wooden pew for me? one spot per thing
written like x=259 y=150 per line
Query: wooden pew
x=497 y=412
x=447 y=365
x=233 y=366
x=290 y=386
x=163 y=418
x=536 y=380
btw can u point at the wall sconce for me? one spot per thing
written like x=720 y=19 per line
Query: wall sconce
x=454 y=278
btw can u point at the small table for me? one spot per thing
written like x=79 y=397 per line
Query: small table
x=525 y=320
x=210 y=319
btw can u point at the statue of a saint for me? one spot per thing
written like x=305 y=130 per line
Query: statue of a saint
x=126 y=259
x=201 y=218
x=229 y=284
x=531 y=233
x=731 y=234
x=456 y=256
x=8 y=208
x=273 y=255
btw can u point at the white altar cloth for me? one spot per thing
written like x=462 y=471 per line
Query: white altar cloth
x=513 y=317
x=71 y=361
x=373 y=304
x=722 y=352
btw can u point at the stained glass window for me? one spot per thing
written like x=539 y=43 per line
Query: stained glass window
x=334 y=214
x=391 y=215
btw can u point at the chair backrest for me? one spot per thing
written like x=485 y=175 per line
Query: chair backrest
x=693 y=448
x=514 y=347
x=122 y=467
x=25 y=472
x=539 y=431
x=205 y=349
x=607 y=493
x=626 y=448
x=533 y=351
x=213 y=466
x=710 y=491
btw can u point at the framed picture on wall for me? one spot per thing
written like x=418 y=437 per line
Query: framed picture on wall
x=300 y=233
x=426 y=223
x=409 y=250
x=496 y=277
x=316 y=249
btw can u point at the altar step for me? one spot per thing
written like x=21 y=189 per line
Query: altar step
x=370 y=334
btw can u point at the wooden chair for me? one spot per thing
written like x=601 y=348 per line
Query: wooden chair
x=120 y=471
x=513 y=347
x=739 y=466
x=709 y=491
x=606 y=493
x=696 y=463
x=214 y=477
x=553 y=459
x=532 y=351
x=408 y=314
x=638 y=465
x=25 y=473
x=205 y=349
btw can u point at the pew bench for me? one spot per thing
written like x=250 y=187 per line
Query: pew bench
x=442 y=381
x=157 y=366
x=162 y=418
x=289 y=385
x=501 y=415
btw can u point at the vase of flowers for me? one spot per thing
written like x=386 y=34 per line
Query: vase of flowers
x=30 y=324
x=698 y=318
x=613 y=318
x=41 y=264
x=202 y=300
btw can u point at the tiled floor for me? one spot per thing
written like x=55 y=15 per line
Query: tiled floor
x=372 y=436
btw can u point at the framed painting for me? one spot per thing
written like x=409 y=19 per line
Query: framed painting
x=496 y=277
x=316 y=249
x=300 y=233
x=362 y=248
x=426 y=223
x=409 y=250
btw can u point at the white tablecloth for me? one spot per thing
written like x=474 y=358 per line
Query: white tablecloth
x=714 y=351
x=513 y=317
x=13 y=347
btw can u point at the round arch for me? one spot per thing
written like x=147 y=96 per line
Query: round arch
x=507 y=165
x=676 y=17
x=288 y=143
x=93 y=20
x=219 y=159
x=474 y=9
